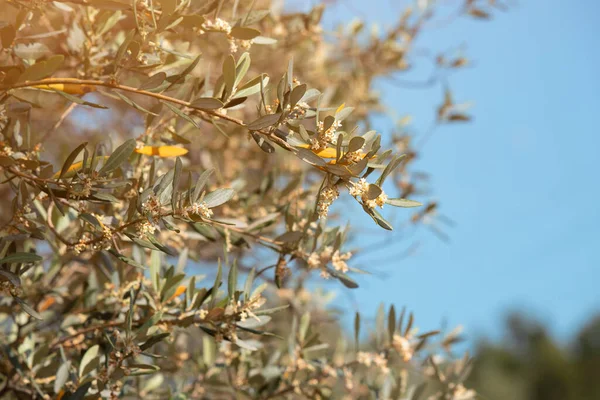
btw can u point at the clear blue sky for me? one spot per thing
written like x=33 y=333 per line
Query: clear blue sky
x=521 y=181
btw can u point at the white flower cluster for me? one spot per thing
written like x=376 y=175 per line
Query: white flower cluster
x=218 y=24
x=403 y=347
x=245 y=310
x=5 y=150
x=96 y=244
x=320 y=260
x=107 y=238
x=354 y=156
x=299 y=111
x=236 y=44
x=361 y=189
x=326 y=198
x=325 y=136
x=151 y=206
x=3 y=117
x=200 y=209
x=146 y=228
x=376 y=359
x=82 y=188
x=301 y=224
x=459 y=392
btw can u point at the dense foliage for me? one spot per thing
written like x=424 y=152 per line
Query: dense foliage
x=168 y=169
x=528 y=364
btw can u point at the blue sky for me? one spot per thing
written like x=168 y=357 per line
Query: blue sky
x=520 y=180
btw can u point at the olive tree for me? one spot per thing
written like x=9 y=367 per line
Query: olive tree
x=175 y=174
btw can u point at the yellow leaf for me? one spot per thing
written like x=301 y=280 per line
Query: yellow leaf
x=46 y=303
x=70 y=88
x=344 y=162
x=76 y=167
x=178 y=292
x=162 y=151
x=325 y=153
x=328 y=153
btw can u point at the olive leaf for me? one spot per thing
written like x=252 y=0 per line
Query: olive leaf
x=134 y=104
x=118 y=157
x=310 y=157
x=262 y=143
x=219 y=197
x=207 y=103
x=403 y=203
x=252 y=86
x=12 y=278
x=297 y=94
x=20 y=258
x=181 y=114
x=154 y=81
x=78 y=100
x=345 y=279
x=69 y=161
x=232 y=280
x=228 y=76
x=28 y=309
x=239 y=32
x=200 y=184
x=61 y=376
x=264 y=122
x=356 y=143
x=42 y=69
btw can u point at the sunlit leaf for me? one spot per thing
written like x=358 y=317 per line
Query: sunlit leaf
x=162 y=151
x=264 y=40
x=403 y=203
x=219 y=197
x=62 y=375
x=89 y=361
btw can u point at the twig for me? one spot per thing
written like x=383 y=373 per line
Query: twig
x=51 y=81
x=51 y=225
x=427 y=136
x=64 y=115
x=84 y=331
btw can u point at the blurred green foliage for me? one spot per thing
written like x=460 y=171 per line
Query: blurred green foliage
x=531 y=365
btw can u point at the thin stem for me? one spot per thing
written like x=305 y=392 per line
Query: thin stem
x=83 y=331
x=64 y=115
x=51 y=81
x=51 y=225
